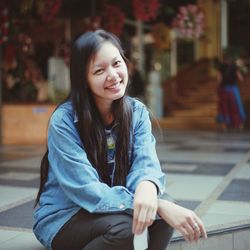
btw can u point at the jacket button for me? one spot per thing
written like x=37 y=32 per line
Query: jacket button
x=121 y=206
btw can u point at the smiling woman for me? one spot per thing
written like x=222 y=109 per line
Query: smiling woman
x=107 y=78
x=101 y=161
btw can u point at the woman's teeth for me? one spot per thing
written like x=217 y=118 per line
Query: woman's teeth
x=114 y=85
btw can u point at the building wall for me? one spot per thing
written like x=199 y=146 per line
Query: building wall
x=210 y=45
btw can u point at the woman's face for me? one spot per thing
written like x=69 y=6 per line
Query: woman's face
x=107 y=75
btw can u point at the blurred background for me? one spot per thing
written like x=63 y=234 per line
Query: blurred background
x=172 y=45
x=177 y=51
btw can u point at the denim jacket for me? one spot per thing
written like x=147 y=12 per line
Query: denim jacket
x=73 y=183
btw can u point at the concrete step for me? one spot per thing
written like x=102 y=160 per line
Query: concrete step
x=225 y=239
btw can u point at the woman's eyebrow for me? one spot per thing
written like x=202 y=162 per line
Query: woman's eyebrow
x=97 y=65
x=101 y=64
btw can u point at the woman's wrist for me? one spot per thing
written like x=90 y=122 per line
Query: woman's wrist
x=164 y=206
x=148 y=185
x=161 y=205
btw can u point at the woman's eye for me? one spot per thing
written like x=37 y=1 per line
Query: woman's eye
x=99 y=71
x=118 y=62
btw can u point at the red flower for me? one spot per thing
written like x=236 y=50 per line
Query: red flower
x=146 y=10
x=113 y=19
x=50 y=9
x=4 y=24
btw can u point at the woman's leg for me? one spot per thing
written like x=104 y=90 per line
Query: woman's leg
x=95 y=231
x=160 y=234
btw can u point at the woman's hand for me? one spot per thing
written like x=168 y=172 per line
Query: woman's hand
x=145 y=206
x=183 y=220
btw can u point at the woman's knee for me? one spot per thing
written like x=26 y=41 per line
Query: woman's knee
x=120 y=230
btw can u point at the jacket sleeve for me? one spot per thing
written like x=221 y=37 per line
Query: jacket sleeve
x=75 y=174
x=144 y=161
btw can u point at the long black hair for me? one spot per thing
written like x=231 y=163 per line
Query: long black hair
x=90 y=124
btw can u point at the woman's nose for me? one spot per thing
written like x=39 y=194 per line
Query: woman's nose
x=112 y=75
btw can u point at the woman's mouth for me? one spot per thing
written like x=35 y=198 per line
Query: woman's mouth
x=114 y=86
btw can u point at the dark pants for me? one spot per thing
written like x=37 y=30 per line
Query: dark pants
x=86 y=231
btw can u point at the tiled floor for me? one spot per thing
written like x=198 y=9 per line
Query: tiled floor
x=206 y=171
x=210 y=172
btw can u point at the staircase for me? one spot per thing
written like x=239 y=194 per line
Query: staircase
x=196 y=109
x=190 y=98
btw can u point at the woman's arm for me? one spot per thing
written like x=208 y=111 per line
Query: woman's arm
x=145 y=165
x=183 y=220
x=145 y=206
x=75 y=174
x=145 y=178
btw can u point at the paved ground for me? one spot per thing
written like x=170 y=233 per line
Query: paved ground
x=206 y=171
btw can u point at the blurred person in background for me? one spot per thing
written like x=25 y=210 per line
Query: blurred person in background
x=231 y=114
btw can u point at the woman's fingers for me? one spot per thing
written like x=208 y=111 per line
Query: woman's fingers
x=145 y=206
x=152 y=217
x=197 y=232
x=190 y=231
x=135 y=219
x=182 y=219
x=197 y=227
x=140 y=222
x=184 y=232
x=143 y=218
x=201 y=227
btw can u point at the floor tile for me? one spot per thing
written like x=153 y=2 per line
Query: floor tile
x=18 y=176
x=244 y=172
x=219 y=169
x=20 y=216
x=224 y=212
x=227 y=207
x=34 y=183
x=201 y=157
x=236 y=150
x=33 y=162
x=178 y=167
x=7 y=235
x=220 y=144
x=11 y=195
x=198 y=168
x=238 y=190
x=189 y=187
x=5 y=169
x=187 y=148
x=23 y=241
x=188 y=204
